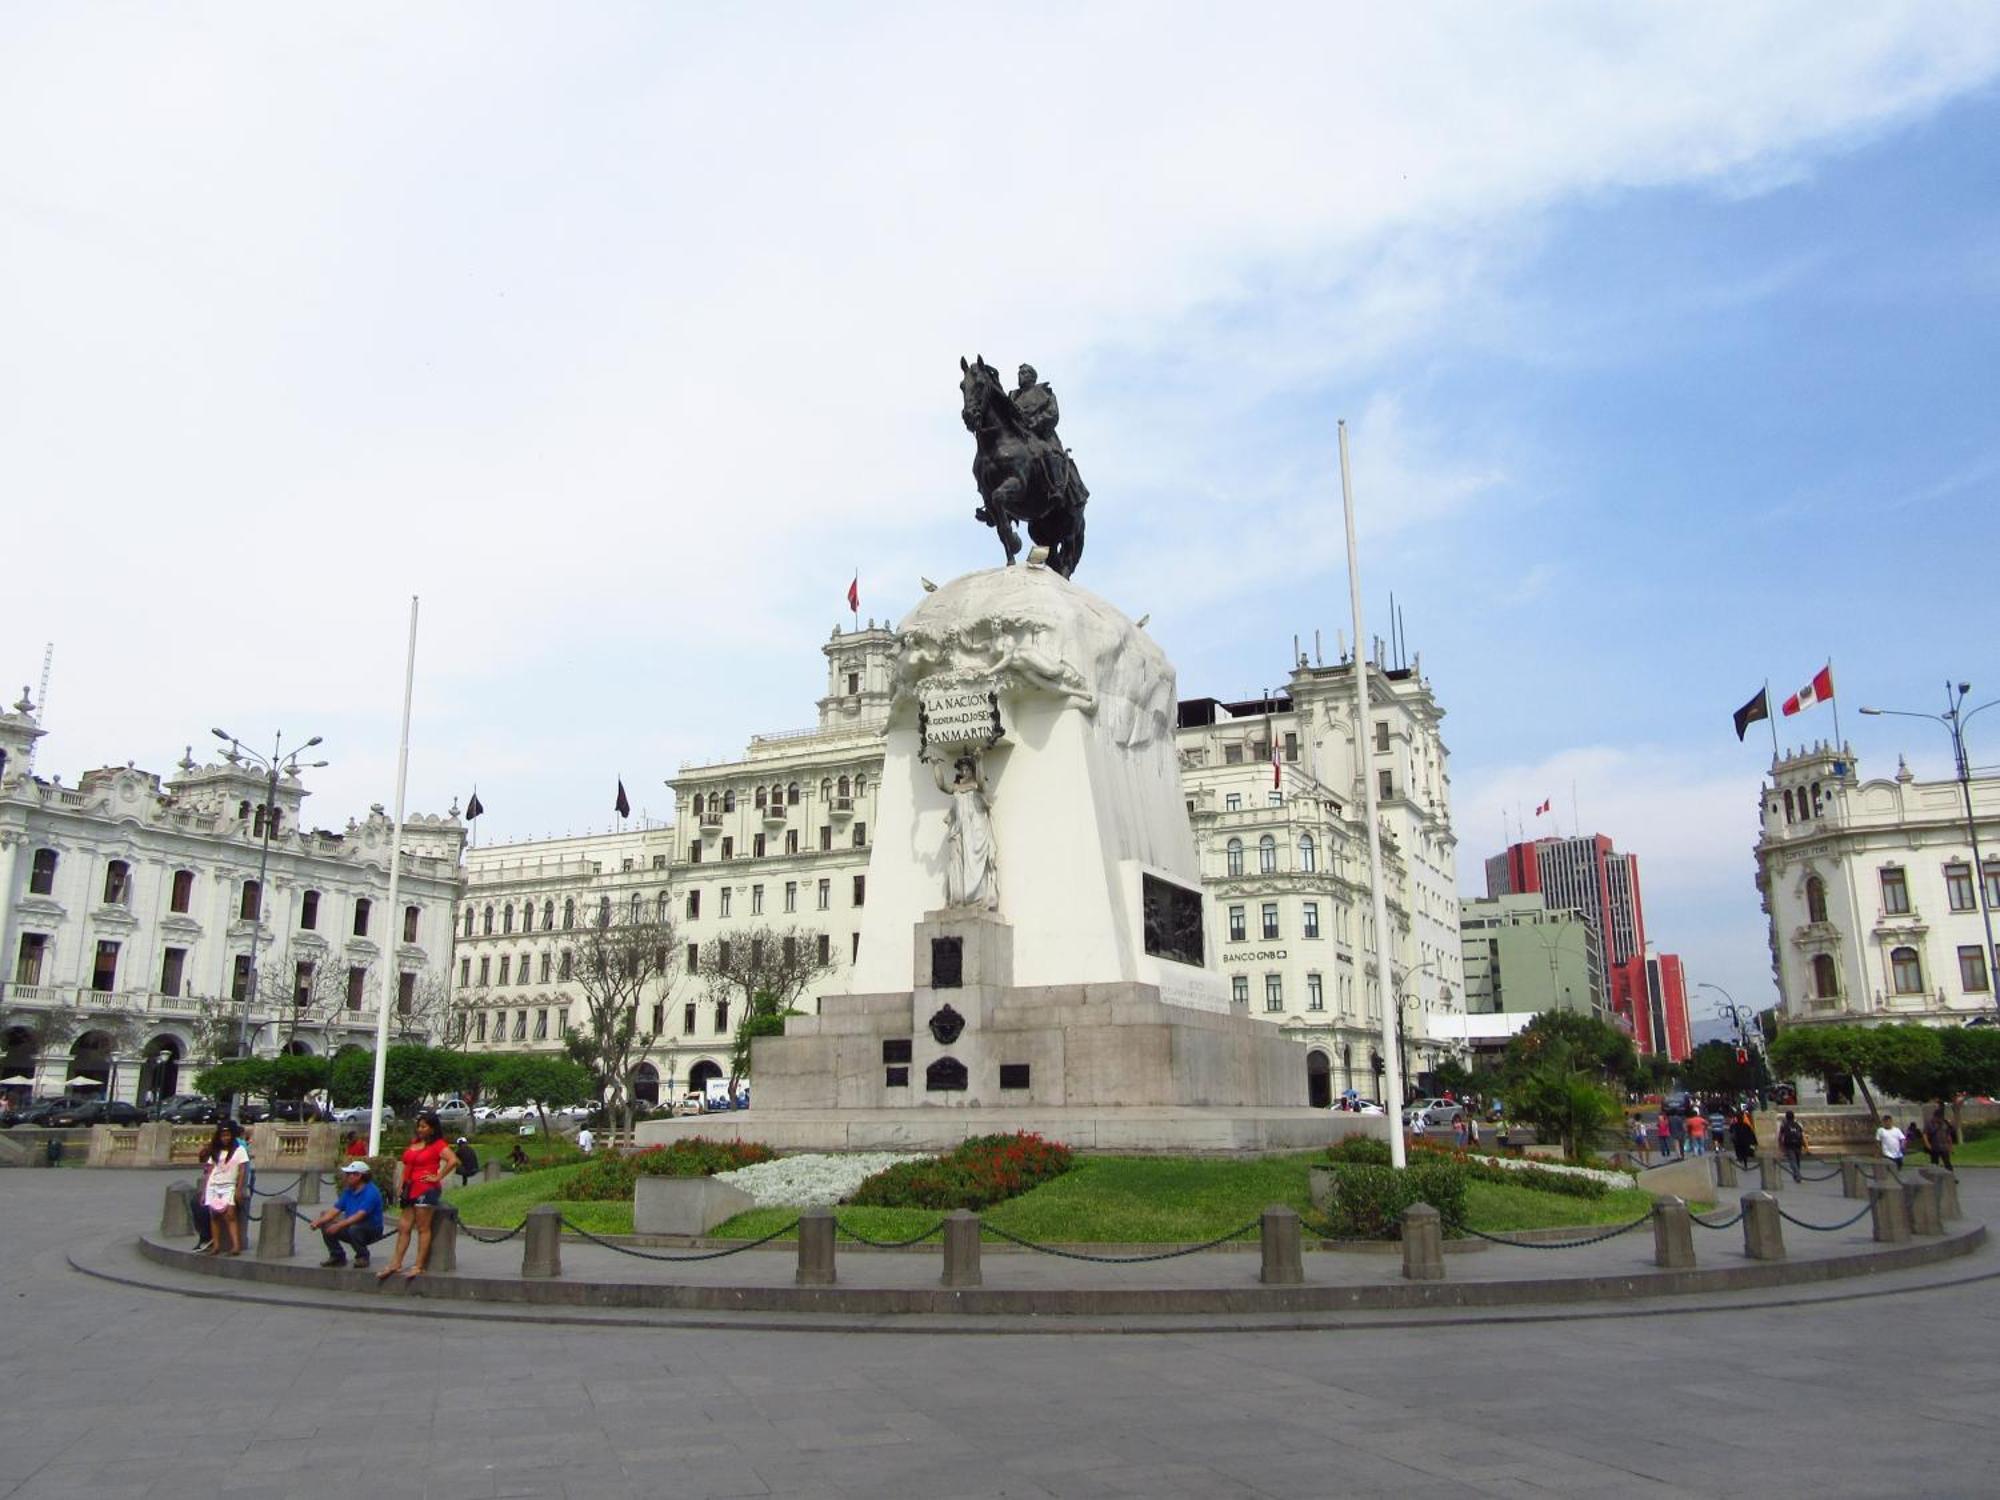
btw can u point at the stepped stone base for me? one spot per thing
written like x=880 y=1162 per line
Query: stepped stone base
x=1175 y=1130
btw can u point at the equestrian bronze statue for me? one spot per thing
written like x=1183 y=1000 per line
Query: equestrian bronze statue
x=1022 y=469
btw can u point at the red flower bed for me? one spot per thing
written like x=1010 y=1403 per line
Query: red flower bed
x=987 y=1169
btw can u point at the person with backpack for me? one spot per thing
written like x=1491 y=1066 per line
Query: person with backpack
x=468 y=1160
x=1792 y=1144
x=1743 y=1136
x=1940 y=1137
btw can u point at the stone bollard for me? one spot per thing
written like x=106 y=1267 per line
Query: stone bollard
x=961 y=1248
x=308 y=1189
x=444 y=1239
x=489 y=1171
x=1423 y=1243
x=177 y=1213
x=277 y=1230
x=1763 y=1232
x=1725 y=1171
x=1890 y=1212
x=816 y=1226
x=1673 y=1235
x=1770 y=1173
x=1852 y=1184
x=1947 y=1189
x=1280 y=1236
x=541 y=1242
x=1925 y=1217
x=1885 y=1172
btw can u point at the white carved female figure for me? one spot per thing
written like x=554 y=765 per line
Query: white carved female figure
x=971 y=872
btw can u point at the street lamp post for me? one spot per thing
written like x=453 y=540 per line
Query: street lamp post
x=1954 y=719
x=279 y=762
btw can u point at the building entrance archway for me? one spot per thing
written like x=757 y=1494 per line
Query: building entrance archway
x=646 y=1085
x=1319 y=1080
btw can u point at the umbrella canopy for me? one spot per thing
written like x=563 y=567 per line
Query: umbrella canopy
x=83 y=1083
x=18 y=1081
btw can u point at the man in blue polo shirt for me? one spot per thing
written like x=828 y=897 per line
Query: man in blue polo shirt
x=355 y=1218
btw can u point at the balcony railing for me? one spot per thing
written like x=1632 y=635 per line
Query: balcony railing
x=711 y=817
x=774 y=812
x=842 y=807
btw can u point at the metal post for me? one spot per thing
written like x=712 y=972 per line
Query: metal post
x=395 y=935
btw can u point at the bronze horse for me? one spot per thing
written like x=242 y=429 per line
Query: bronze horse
x=1021 y=477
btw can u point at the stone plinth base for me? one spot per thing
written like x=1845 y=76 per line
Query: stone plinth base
x=1138 y=1130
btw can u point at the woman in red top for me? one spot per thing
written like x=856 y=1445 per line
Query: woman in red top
x=420 y=1180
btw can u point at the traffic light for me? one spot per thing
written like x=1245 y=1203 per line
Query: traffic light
x=1742 y=1056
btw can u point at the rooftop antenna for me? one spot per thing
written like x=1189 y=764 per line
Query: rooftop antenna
x=1318 y=660
x=42 y=699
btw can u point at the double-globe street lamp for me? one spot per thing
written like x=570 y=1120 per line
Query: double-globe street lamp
x=280 y=762
x=1954 y=718
x=1403 y=991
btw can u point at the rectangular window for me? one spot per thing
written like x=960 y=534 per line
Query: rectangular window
x=687 y=1019
x=506 y=962
x=479 y=1027
x=1269 y=913
x=694 y=905
x=1275 y=799
x=1972 y=976
x=825 y=894
x=756 y=901
x=860 y=889
x=1238 y=924
x=694 y=957
x=302 y=983
x=1274 y=992
x=173 y=965
x=1291 y=746
x=410 y=915
x=659 y=863
x=1386 y=784
x=791 y=841
x=1239 y=989
x=1232 y=802
x=1958 y=888
x=756 y=846
x=251 y=905
x=728 y=847
x=548 y=967
x=183 y=896
x=1895 y=892
x=406 y=993
x=860 y=835
x=485 y=968
x=1310 y=916
x=791 y=895
x=694 y=851
x=1232 y=755
x=568 y=964
x=722 y=901
x=42 y=876
x=309 y=911
x=239 y=978
x=1992 y=886
x=357 y=981
x=361 y=910
x=1315 y=995
x=541 y=1026
x=721 y=1017
x=465 y=973
x=1381 y=735
x=825 y=949
x=826 y=837
x=520 y=1025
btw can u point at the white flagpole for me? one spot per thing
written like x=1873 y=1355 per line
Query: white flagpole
x=1392 y=1060
x=394 y=914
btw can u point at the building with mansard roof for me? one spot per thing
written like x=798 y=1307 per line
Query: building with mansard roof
x=138 y=940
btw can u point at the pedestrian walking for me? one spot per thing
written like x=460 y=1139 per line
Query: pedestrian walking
x=355 y=1220
x=1940 y=1137
x=1743 y=1136
x=1792 y=1144
x=585 y=1141
x=1663 y=1134
x=1458 y=1135
x=228 y=1184
x=1639 y=1137
x=1677 y=1130
x=1472 y=1130
x=1698 y=1133
x=420 y=1189
x=1890 y=1139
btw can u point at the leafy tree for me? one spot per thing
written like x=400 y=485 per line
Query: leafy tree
x=294 y=1075
x=1712 y=1068
x=615 y=966
x=1574 y=1043
x=237 y=1077
x=518 y=1077
x=1907 y=1060
x=1569 y=1106
x=1829 y=1053
x=762 y=971
x=1944 y=1063
x=410 y=1075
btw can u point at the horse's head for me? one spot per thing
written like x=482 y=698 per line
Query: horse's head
x=979 y=384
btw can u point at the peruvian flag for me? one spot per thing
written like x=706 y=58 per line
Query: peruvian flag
x=1817 y=691
x=854 y=595
x=1546 y=804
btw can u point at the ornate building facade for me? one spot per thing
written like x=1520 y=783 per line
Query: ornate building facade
x=1876 y=904
x=138 y=940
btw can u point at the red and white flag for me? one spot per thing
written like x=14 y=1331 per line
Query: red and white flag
x=854 y=595
x=1547 y=803
x=1817 y=691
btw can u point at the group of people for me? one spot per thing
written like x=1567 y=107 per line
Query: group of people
x=1936 y=1137
x=355 y=1221
x=1675 y=1134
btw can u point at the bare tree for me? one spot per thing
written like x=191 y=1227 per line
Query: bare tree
x=436 y=1014
x=616 y=966
x=316 y=999
x=761 y=972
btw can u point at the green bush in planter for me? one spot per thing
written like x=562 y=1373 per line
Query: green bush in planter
x=1369 y=1201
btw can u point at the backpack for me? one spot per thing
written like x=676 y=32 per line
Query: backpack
x=1791 y=1135
x=468 y=1160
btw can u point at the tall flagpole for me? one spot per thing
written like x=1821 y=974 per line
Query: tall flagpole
x=1840 y=745
x=1771 y=720
x=1392 y=1059
x=395 y=914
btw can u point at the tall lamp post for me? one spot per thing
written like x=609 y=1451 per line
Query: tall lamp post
x=1954 y=719
x=279 y=762
x=1402 y=995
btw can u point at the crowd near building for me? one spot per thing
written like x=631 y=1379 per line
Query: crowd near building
x=150 y=924
x=1880 y=909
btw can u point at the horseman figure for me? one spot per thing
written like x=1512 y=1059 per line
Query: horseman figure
x=1020 y=466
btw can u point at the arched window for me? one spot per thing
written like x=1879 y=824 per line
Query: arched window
x=117 y=883
x=361 y=910
x=660 y=907
x=633 y=910
x=569 y=913
x=507 y=917
x=1267 y=855
x=1789 y=815
x=843 y=786
x=826 y=789
x=1233 y=850
x=1906 y=971
x=1826 y=978
x=729 y=802
x=251 y=902
x=860 y=786
x=777 y=796
x=410 y=917
x=697 y=804
x=603 y=911
x=760 y=796
x=792 y=795
x=1816 y=902
x=486 y=921
x=468 y=921
x=1308 y=853
x=42 y=879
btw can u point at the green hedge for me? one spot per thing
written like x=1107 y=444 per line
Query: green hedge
x=1368 y=1201
x=612 y=1176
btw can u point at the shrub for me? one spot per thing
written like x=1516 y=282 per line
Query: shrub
x=1369 y=1201
x=1481 y=1169
x=612 y=1176
x=985 y=1170
x=1361 y=1150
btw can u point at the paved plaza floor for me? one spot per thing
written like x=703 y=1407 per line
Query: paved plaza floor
x=1868 y=1388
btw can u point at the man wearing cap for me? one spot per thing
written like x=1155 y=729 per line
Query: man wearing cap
x=355 y=1218
x=468 y=1160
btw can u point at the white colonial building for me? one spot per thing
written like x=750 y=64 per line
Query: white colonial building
x=1873 y=894
x=1274 y=791
x=138 y=939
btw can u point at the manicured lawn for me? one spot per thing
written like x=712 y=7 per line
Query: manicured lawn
x=1982 y=1152
x=1102 y=1200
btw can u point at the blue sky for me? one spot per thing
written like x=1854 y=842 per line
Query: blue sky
x=622 y=335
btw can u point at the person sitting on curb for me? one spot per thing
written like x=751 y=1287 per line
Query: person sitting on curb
x=426 y=1164
x=355 y=1218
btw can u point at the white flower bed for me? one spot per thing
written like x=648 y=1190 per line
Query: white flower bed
x=811 y=1180
x=1596 y=1174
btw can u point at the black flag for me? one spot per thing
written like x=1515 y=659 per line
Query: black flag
x=623 y=805
x=1757 y=708
x=474 y=807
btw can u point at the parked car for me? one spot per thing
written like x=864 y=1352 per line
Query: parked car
x=97 y=1112
x=359 y=1115
x=185 y=1109
x=454 y=1114
x=297 y=1109
x=1432 y=1114
x=690 y=1104
x=38 y=1112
